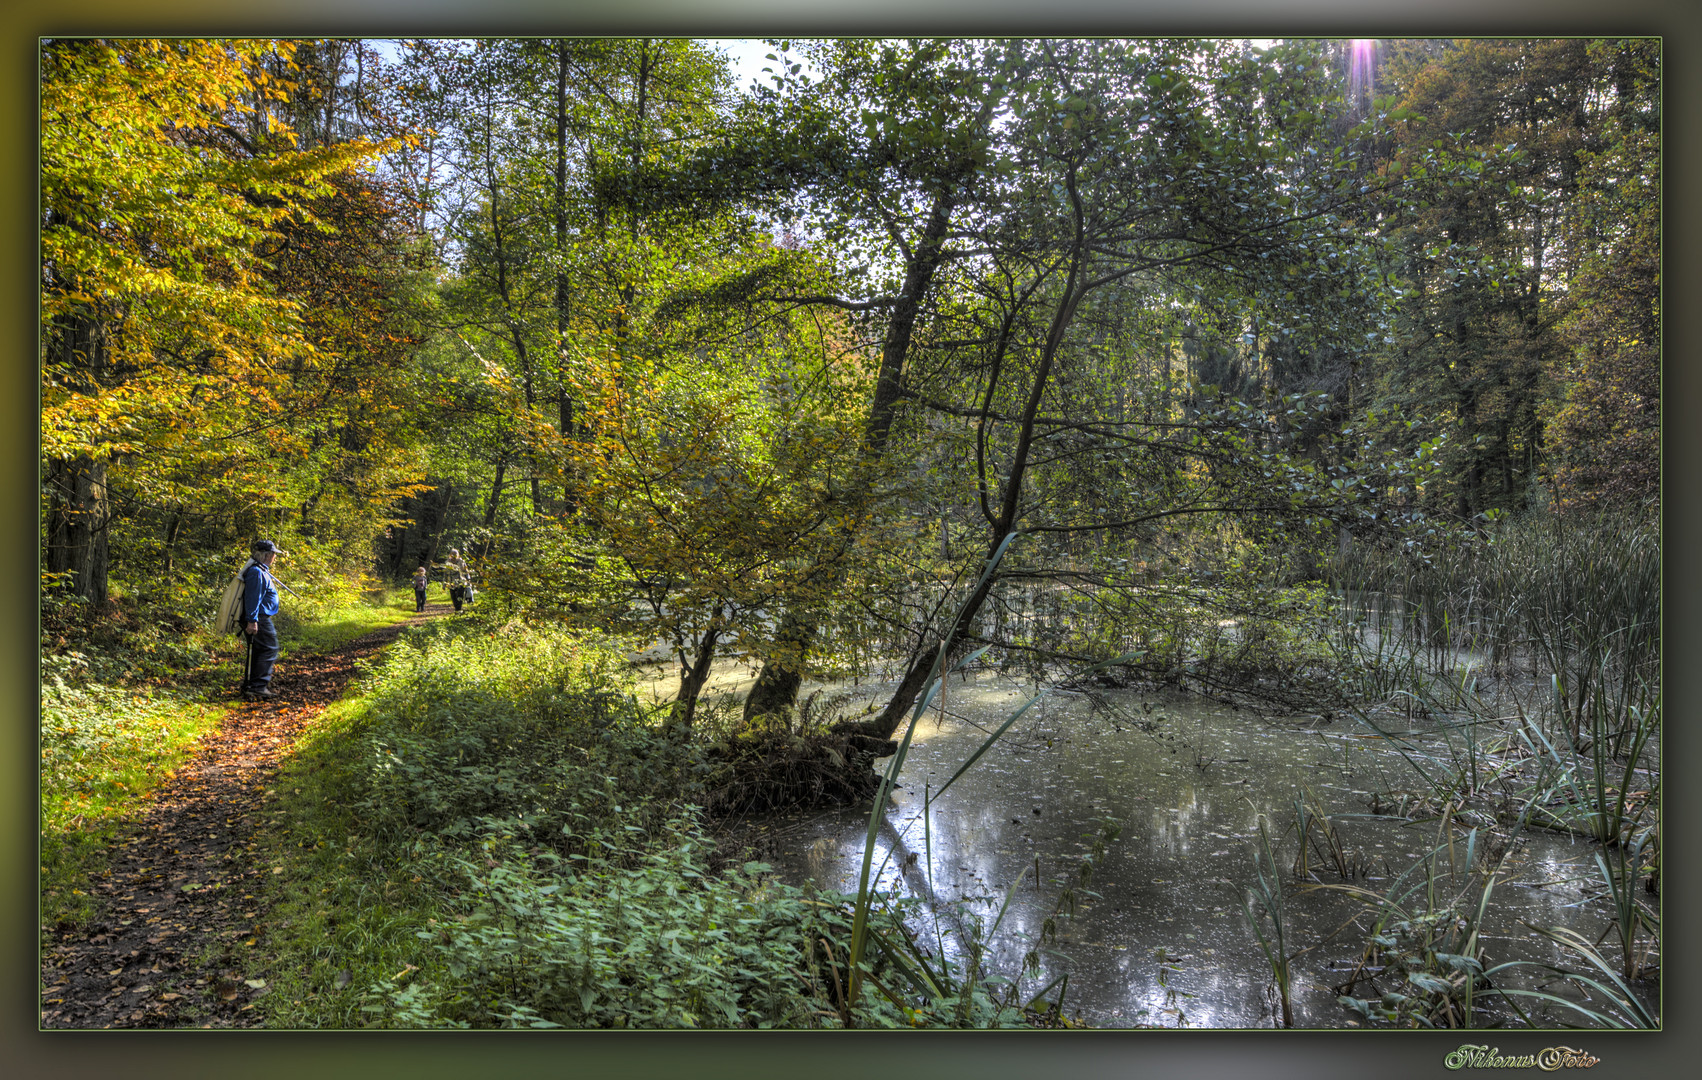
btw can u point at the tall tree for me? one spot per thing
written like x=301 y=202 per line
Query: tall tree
x=1153 y=178
x=886 y=192
x=1492 y=268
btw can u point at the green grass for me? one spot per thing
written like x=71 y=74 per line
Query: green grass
x=344 y=905
x=102 y=750
x=312 y=628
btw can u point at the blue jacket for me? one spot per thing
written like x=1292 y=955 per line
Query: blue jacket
x=259 y=595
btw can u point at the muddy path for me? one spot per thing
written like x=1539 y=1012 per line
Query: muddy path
x=179 y=918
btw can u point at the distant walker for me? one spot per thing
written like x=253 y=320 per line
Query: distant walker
x=460 y=583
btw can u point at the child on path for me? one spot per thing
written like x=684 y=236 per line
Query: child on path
x=419 y=589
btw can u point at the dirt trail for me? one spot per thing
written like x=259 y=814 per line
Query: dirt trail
x=183 y=882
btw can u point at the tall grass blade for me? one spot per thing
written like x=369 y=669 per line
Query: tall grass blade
x=1619 y=994
x=860 y=918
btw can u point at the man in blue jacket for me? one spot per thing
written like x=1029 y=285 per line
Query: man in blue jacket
x=259 y=604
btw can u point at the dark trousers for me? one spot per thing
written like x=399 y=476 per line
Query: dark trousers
x=262 y=654
x=419 y=599
x=458 y=593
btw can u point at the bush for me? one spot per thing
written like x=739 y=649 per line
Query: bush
x=469 y=723
x=512 y=766
x=103 y=745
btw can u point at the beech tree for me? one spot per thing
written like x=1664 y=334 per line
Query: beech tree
x=165 y=341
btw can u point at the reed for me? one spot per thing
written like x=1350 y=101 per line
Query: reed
x=1578 y=602
x=1267 y=893
x=1426 y=936
x=1622 y=1009
x=1318 y=835
x=1593 y=791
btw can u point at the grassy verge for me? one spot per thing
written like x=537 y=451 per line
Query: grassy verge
x=343 y=907
x=103 y=749
x=124 y=707
x=314 y=628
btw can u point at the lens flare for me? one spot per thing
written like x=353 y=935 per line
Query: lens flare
x=1361 y=65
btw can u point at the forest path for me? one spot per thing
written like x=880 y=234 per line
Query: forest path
x=177 y=913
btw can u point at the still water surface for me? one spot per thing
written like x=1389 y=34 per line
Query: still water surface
x=1166 y=942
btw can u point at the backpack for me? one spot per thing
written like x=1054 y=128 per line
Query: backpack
x=230 y=604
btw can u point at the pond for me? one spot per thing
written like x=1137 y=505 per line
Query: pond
x=1167 y=942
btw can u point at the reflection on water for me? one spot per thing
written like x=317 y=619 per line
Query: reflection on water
x=1166 y=941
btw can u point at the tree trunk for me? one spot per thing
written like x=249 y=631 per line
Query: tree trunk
x=496 y=492
x=171 y=534
x=692 y=678
x=777 y=684
x=77 y=527
x=563 y=295
x=915 y=677
x=1010 y=502
x=78 y=513
x=564 y=410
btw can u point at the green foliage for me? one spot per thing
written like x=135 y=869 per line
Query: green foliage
x=345 y=903
x=471 y=722
x=638 y=935
x=122 y=706
x=1425 y=940
x=1524 y=221
x=759 y=377
x=1438 y=985
x=1606 y=425
x=147 y=220
x=1619 y=1006
x=514 y=845
x=224 y=314
x=335 y=612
